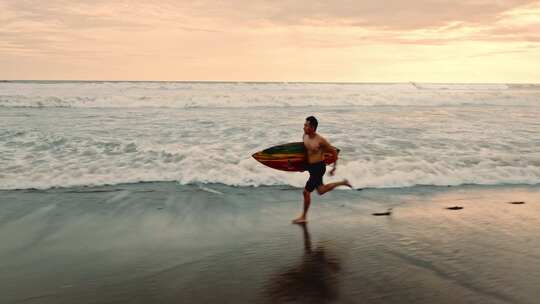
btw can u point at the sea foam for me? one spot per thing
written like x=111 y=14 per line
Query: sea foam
x=228 y=95
x=391 y=135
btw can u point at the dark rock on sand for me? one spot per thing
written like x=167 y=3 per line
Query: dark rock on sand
x=389 y=212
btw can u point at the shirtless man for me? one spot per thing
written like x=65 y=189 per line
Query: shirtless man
x=316 y=145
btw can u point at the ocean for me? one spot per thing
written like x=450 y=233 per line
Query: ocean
x=64 y=134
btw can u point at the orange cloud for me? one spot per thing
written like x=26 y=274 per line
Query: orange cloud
x=266 y=40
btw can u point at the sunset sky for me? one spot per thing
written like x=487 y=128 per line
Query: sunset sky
x=256 y=40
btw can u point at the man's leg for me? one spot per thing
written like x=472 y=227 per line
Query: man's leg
x=307 y=202
x=322 y=189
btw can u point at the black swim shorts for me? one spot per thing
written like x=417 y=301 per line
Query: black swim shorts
x=316 y=173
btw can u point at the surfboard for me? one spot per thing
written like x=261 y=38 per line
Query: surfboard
x=288 y=157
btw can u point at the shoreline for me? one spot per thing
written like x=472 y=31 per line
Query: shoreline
x=168 y=184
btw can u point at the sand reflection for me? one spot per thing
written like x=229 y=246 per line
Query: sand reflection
x=312 y=280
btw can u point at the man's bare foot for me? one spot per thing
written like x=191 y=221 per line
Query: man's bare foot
x=300 y=220
x=346 y=183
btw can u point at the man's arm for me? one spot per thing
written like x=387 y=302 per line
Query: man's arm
x=326 y=147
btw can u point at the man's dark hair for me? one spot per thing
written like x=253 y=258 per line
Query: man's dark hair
x=313 y=122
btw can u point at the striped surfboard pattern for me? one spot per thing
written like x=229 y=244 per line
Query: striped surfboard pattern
x=287 y=157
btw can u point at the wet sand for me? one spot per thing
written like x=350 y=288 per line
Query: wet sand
x=167 y=243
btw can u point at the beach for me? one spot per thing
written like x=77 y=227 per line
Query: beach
x=212 y=243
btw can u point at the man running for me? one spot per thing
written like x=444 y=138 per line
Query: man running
x=316 y=146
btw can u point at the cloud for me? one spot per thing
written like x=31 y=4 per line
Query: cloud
x=203 y=35
x=35 y=24
x=393 y=14
x=64 y=27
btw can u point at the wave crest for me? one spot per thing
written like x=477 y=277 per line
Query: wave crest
x=231 y=95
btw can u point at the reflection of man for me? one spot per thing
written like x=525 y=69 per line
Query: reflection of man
x=313 y=280
x=316 y=146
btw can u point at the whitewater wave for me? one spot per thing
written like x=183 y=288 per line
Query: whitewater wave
x=366 y=177
x=143 y=132
x=242 y=95
x=105 y=163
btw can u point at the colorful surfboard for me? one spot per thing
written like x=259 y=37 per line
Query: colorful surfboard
x=287 y=157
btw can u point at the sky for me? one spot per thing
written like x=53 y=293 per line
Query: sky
x=278 y=40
